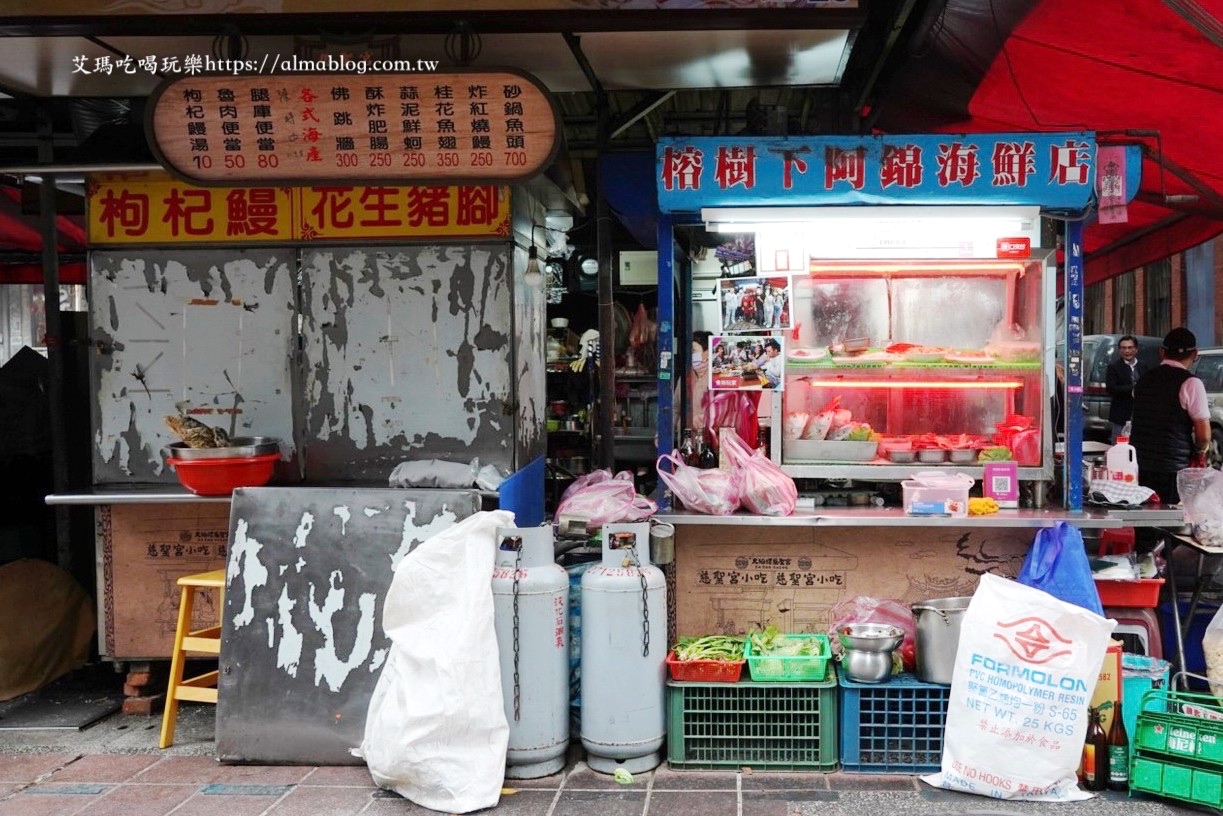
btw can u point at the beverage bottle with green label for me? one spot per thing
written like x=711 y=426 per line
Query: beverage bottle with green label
x=1118 y=753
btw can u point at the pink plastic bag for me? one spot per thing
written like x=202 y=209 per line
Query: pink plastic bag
x=713 y=491
x=767 y=489
x=607 y=501
x=595 y=477
x=864 y=609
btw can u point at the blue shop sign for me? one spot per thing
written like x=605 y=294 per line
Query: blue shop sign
x=1055 y=171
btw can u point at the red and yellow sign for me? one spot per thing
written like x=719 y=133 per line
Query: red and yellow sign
x=457 y=127
x=137 y=208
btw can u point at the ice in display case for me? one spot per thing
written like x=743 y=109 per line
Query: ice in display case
x=898 y=365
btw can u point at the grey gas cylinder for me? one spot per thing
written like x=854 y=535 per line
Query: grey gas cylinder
x=531 y=614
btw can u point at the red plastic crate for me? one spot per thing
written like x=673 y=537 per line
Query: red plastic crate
x=1141 y=593
x=705 y=671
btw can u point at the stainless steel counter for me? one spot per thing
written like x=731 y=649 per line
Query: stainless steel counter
x=169 y=494
x=132 y=494
x=896 y=517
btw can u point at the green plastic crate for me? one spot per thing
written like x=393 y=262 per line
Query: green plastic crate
x=1181 y=725
x=788 y=669
x=765 y=726
x=1201 y=786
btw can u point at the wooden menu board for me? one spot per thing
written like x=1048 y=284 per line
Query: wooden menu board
x=454 y=127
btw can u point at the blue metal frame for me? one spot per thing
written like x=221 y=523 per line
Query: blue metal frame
x=1072 y=458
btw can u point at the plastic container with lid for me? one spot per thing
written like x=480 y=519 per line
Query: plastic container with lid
x=1122 y=461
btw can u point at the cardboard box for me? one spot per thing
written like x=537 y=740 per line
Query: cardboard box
x=1108 y=688
x=144 y=550
x=732 y=578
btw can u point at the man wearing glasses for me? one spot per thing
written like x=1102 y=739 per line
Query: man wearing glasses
x=1120 y=378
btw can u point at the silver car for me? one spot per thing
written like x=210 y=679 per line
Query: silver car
x=1209 y=368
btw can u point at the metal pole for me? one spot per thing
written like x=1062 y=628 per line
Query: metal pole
x=54 y=340
x=607 y=314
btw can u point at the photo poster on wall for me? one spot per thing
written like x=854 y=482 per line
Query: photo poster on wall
x=755 y=304
x=746 y=362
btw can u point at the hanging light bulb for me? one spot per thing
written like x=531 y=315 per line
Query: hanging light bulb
x=533 y=277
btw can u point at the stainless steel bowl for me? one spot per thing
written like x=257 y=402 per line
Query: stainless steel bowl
x=932 y=455
x=903 y=456
x=867 y=667
x=963 y=455
x=239 y=447
x=870 y=637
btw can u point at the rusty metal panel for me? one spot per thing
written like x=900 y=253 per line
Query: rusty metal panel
x=302 y=643
x=208 y=330
x=409 y=353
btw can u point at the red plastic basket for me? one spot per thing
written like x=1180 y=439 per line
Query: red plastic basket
x=1141 y=593
x=705 y=671
x=219 y=477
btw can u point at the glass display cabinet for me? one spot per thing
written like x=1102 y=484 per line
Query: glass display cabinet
x=895 y=365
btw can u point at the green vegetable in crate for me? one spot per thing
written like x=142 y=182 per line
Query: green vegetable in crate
x=773 y=643
x=710 y=647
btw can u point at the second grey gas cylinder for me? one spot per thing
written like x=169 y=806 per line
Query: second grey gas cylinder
x=624 y=649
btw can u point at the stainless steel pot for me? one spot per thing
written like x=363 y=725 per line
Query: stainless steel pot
x=938 y=637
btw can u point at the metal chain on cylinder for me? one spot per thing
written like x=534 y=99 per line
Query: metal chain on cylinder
x=645 y=603
x=517 y=686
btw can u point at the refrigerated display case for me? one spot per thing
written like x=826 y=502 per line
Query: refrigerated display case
x=897 y=365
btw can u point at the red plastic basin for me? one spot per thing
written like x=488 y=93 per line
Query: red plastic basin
x=218 y=477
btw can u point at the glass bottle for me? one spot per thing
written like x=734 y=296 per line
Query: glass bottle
x=688 y=451
x=709 y=459
x=1118 y=753
x=1095 y=753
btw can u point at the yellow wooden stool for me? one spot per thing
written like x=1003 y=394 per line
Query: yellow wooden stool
x=201 y=688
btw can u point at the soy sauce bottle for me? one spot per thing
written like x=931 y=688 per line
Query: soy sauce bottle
x=1095 y=753
x=708 y=458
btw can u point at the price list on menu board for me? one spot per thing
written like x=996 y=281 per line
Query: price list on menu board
x=455 y=127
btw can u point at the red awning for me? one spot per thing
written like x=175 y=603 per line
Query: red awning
x=1147 y=72
x=21 y=243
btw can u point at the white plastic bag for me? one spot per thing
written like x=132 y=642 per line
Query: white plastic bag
x=435 y=473
x=436 y=732
x=1212 y=650
x=1025 y=671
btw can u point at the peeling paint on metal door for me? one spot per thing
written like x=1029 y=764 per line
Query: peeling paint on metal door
x=209 y=330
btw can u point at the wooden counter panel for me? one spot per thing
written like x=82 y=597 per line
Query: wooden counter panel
x=731 y=579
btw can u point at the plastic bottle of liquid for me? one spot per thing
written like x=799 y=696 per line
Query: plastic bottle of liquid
x=1122 y=461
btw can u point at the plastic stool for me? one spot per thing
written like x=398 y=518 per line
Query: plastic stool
x=1117 y=542
x=203 y=687
x=1140 y=621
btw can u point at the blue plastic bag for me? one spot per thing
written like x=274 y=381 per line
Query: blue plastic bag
x=1057 y=564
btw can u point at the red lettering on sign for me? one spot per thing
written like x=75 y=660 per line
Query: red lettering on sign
x=130 y=211
x=181 y=214
x=428 y=205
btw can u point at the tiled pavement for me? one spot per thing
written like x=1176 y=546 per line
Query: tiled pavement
x=153 y=785
x=114 y=769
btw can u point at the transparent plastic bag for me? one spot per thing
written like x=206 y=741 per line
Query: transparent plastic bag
x=767 y=489
x=1201 y=492
x=1212 y=650
x=607 y=501
x=595 y=477
x=864 y=609
x=715 y=492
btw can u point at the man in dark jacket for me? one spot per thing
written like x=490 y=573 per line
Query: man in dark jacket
x=1171 y=419
x=1120 y=378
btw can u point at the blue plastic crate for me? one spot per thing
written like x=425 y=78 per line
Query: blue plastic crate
x=892 y=727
